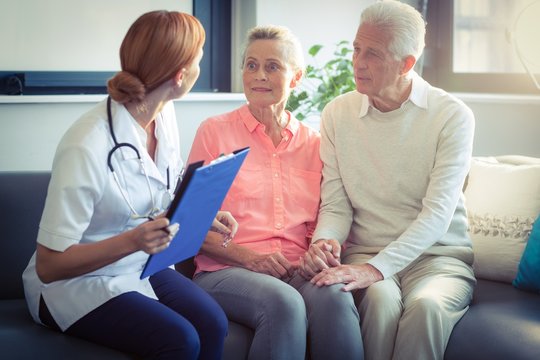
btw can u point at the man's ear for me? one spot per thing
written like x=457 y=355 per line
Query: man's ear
x=408 y=63
x=296 y=78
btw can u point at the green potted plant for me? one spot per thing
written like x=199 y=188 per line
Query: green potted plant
x=323 y=83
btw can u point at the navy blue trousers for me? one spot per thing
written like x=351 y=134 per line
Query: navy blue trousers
x=186 y=322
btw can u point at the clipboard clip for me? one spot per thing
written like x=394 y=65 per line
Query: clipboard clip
x=221 y=157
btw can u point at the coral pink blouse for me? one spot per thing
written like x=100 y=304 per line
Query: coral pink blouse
x=275 y=196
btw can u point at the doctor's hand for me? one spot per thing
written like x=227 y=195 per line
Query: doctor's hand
x=322 y=254
x=154 y=236
x=226 y=225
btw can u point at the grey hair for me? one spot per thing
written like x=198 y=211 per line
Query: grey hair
x=402 y=22
x=293 y=51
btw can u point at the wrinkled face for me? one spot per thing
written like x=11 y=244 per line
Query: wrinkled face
x=375 y=69
x=267 y=75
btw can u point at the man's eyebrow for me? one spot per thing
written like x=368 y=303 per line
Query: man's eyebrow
x=368 y=48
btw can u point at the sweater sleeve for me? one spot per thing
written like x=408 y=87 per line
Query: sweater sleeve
x=335 y=213
x=452 y=162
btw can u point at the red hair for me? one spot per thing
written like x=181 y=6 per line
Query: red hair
x=157 y=46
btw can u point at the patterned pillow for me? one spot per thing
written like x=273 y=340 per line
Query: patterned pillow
x=503 y=200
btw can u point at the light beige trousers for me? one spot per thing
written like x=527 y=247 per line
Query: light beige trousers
x=411 y=315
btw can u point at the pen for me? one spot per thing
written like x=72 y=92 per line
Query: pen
x=152 y=218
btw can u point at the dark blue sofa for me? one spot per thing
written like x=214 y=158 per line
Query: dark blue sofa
x=502 y=322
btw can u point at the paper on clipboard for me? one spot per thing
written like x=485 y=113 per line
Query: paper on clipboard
x=194 y=207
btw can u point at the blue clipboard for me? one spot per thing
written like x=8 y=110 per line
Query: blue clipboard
x=196 y=203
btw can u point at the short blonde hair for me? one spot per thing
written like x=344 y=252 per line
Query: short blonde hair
x=291 y=45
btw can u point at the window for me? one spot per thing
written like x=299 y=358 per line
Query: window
x=80 y=74
x=470 y=46
x=215 y=15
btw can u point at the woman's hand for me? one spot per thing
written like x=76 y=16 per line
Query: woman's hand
x=226 y=225
x=321 y=255
x=274 y=264
x=155 y=235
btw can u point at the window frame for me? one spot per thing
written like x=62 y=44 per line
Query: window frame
x=438 y=62
x=215 y=16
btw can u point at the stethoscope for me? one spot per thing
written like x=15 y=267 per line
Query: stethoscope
x=167 y=197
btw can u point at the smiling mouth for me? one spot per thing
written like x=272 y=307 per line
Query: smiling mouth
x=258 y=89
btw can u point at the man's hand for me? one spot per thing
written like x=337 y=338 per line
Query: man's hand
x=321 y=255
x=354 y=276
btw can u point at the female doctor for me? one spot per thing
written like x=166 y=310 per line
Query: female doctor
x=115 y=170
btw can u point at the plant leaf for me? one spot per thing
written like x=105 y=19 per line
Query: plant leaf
x=314 y=50
x=323 y=83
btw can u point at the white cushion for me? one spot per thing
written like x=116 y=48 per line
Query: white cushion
x=503 y=200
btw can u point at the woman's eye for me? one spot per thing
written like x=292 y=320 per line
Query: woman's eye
x=251 y=66
x=272 y=67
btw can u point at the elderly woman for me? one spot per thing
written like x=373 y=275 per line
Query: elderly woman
x=275 y=199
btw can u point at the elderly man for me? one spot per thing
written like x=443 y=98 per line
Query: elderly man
x=395 y=153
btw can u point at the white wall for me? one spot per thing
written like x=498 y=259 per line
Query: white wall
x=505 y=124
x=68 y=35
x=30 y=131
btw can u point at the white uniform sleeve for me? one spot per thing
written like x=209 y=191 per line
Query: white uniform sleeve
x=76 y=182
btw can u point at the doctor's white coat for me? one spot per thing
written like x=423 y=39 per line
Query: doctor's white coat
x=85 y=205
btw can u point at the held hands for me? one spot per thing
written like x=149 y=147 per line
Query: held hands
x=322 y=254
x=226 y=225
x=354 y=276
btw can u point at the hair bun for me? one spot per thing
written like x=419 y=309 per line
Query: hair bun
x=125 y=87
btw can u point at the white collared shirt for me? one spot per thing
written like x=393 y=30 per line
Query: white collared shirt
x=85 y=205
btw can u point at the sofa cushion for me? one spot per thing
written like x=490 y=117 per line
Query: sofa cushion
x=22 y=338
x=528 y=277
x=237 y=342
x=502 y=200
x=23 y=197
x=502 y=323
